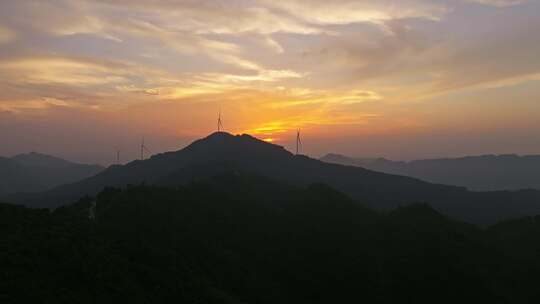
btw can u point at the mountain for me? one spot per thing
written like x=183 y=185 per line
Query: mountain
x=222 y=152
x=12 y=176
x=479 y=173
x=237 y=238
x=38 y=172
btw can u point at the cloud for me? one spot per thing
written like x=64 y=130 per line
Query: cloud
x=269 y=17
x=499 y=3
x=213 y=17
x=345 y=42
x=33 y=105
x=34 y=82
x=273 y=44
x=295 y=97
x=59 y=70
x=349 y=11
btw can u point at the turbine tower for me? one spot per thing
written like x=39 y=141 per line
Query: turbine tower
x=298 y=141
x=219 y=124
x=118 y=156
x=144 y=148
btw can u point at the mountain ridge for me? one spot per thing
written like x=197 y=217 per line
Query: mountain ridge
x=32 y=172
x=480 y=173
x=221 y=151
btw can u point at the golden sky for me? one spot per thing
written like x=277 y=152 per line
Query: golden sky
x=402 y=79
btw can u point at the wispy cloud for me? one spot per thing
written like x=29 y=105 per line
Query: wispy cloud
x=349 y=11
x=499 y=3
x=57 y=70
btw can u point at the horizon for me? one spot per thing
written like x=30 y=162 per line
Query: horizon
x=403 y=80
x=290 y=150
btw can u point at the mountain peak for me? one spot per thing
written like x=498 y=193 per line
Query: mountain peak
x=44 y=160
x=35 y=158
x=220 y=135
x=226 y=142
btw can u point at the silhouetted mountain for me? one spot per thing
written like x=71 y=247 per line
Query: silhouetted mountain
x=12 y=176
x=479 y=173
x=38 y=172
x=243 y=153
x=238 y=238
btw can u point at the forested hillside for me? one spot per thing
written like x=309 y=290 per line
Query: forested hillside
x=247 y=239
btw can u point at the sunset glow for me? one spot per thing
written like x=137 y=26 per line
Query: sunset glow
x=400 y=79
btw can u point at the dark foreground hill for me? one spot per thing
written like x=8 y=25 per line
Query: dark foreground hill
x=479 y=173
x=244 y=239
x=38 y=172
x=222 y=151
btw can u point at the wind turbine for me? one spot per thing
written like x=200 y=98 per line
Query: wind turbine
x=118 y=156
x=144 y=148
x=298 y=141
x=219 y=123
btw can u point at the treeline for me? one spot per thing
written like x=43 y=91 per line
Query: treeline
x=244 y=239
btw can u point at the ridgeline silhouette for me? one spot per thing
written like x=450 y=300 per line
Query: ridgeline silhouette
x=222 y=152
x=479 y=173
x=38 y=172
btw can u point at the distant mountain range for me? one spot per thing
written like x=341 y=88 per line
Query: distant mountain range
x=38 y=172
x=222 y=152
x=479 y=173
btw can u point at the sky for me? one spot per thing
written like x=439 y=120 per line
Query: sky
x=402 y=79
